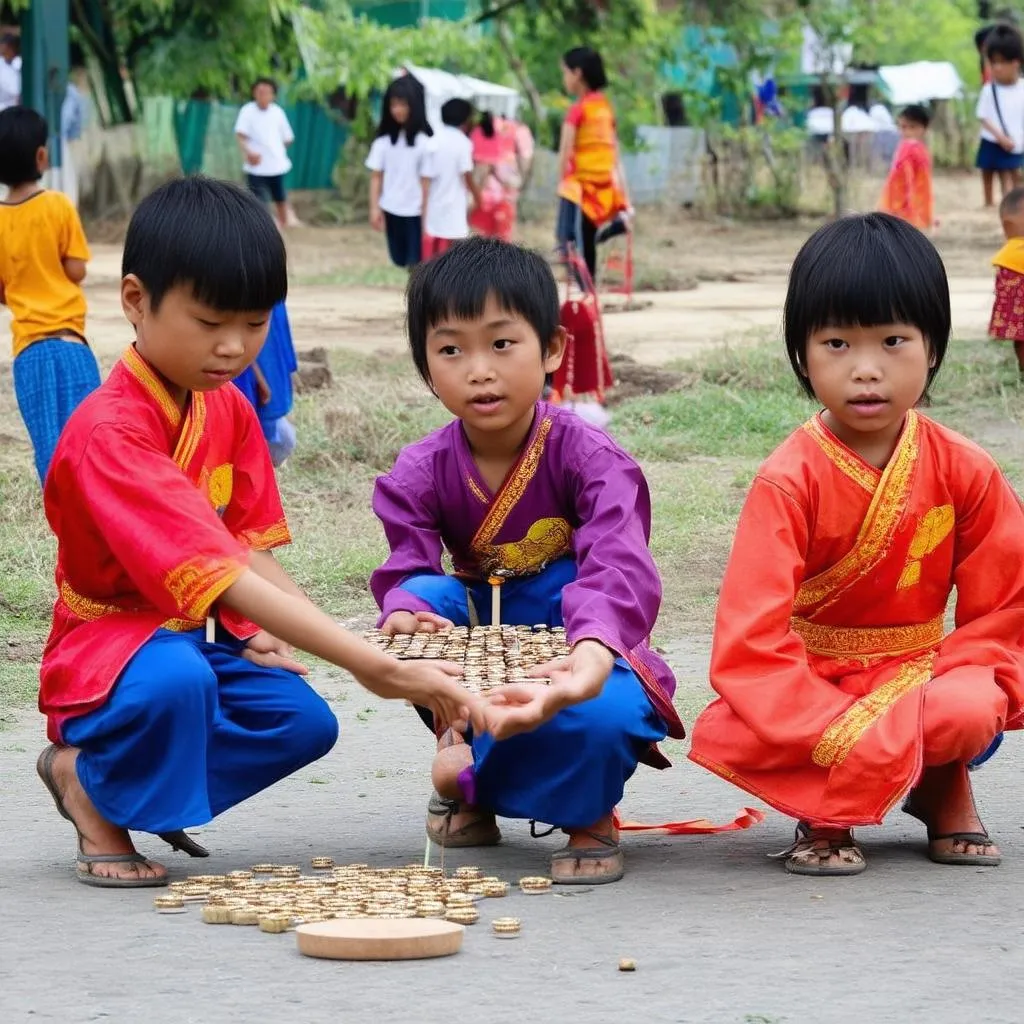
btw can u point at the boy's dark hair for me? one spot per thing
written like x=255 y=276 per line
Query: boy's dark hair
x=916 y=114
x=487 y=124
x=11 y=39
x=211 y=236
x=1012 y=202
x=408 y=89
x=1004 y=43
x=457 y=113
x=23 y=132
x=866 y=270
x=588 y=62
x=456 y=286
x=263 y=81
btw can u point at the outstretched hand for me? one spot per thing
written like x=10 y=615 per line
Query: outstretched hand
x=267 y=650
x=435 y=685
x=415 y=622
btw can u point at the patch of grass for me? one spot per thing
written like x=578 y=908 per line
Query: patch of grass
x=379 y=276
x=19 y=689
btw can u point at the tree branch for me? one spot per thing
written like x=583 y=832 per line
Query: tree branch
x=497 y=12
x=520 y=71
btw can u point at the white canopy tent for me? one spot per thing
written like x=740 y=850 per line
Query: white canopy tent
x=441 y=86
x=920 y=82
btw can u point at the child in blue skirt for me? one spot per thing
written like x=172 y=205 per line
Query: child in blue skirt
x=1001 y=113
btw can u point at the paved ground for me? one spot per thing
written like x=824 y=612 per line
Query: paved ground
x=722 y=936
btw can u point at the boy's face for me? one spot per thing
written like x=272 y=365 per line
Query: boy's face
x=1013 y=223
x=911 y=129
x=1004 y=72
x=192 y=346
x=489 y=371
x=263 y=94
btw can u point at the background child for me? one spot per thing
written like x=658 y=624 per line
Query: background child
x=838 y=693
x=1007 y=322
x=43 y=253
x=449 y=182
x=264 y=135
x=398 y=160
x=267 y=383
x=168 y=680
x=908 y=189
x=502 y=153
x=1001 y=113
x=523 y=491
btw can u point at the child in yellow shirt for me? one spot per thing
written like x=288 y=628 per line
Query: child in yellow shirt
x=43 y=253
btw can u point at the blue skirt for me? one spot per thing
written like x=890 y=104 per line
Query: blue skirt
x=50 y=378
x=573 y=770
x=992 y=157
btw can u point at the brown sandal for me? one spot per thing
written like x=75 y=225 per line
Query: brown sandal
x=811 y=854
x=480 y=831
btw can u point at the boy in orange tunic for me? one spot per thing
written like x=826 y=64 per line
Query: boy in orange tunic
x=838 y=692
x=1007 y=322
x=908 y=189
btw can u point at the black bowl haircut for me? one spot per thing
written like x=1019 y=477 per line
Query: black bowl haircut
x=1004 y=42
x=211 y=236
x=866 y=270
x=23 y=133
x=588 y=62
x=456 y=286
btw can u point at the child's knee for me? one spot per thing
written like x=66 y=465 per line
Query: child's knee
x=446 y=595
x=313 y=727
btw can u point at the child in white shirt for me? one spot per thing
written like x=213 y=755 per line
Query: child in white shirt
x=398 y=161
x=449 y=181
x=1001 y=113
x=264 y=135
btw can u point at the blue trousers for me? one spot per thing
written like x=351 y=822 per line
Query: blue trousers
x=572 y=770
x=50 y=378
x=191 y=729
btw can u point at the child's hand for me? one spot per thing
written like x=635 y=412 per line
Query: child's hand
x=433 y=684
x=377 y=218
x=415 y=622
x=265 y=649
x=575 y=679
x=263 y=392
x=1007 y=143
x=252 y=158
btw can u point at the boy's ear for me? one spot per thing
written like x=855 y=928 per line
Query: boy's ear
x=556 y=350
x=134 y=299
x=42 y=160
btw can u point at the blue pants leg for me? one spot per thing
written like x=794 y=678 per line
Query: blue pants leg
x=572 y=770
x=192 y=729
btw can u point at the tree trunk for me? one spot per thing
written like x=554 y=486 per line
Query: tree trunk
x=520 y=71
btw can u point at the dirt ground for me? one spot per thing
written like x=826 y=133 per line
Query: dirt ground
x=735 y=275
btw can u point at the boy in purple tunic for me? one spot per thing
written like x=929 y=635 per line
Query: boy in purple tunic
x=520 y=489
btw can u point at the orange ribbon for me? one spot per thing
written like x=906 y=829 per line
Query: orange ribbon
x=695 y=827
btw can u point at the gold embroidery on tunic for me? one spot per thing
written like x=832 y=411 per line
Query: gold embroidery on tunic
x=191 y=431
x=476 y=490
x=876 y=532
x=866 y=643
x=512 y=490
x=88 y=610
x=144 y=374
x=845 y=461
x=197 y=583
x=935 y=526
x=218 y=485
x=843 y=734
x=264 y=540
x=545 y=541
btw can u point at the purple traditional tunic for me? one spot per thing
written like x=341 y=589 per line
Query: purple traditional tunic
x=572 y=493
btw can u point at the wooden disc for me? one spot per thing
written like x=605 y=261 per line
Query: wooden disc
x=380 y=939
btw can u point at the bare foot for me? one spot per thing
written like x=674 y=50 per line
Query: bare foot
x=98 y=836
x=605 y=863
x=944 y=800
x=468 y=826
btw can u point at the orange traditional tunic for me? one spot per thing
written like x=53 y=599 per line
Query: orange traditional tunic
x=1007 y=323
x=590 y=180
x=908 y=189
x=156 y=513
x=835 y=681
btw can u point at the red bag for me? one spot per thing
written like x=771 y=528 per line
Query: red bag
x=585 y=371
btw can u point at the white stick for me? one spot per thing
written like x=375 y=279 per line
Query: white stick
x=211 y=629
x=495 y=604
x=426 y=854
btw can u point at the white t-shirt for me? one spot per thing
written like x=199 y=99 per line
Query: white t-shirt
x=403 y=167
x=450 y=159
x=269 y=133
x=857 y=121
x=10 y=82
x=821 y=121
x=882 y=116
x=1011 y=106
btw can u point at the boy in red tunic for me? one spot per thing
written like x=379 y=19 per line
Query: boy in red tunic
x=168 y=680
x=1007 y=322
x=908 y=189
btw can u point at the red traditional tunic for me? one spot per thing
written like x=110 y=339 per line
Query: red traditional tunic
x=155 y=512
x=1007 y=322
x=830 y=621
x=908 y=190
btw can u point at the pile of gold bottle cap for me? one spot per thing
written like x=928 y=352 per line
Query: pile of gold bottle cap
x=277 y=897
x=489 y=655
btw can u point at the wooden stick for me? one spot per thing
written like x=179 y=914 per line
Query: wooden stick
x=495 y=582
x=211 y=629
